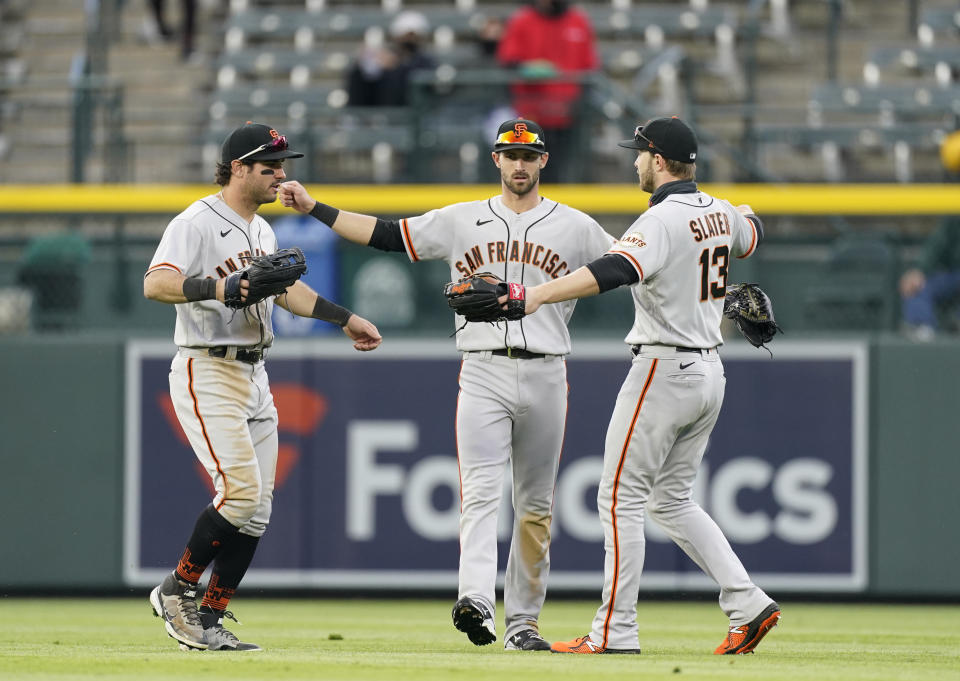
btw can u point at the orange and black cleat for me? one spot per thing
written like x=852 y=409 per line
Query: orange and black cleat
x=744 y=639
x=586 y=646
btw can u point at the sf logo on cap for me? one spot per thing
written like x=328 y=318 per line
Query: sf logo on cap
x=274 y=134
x=519 y=129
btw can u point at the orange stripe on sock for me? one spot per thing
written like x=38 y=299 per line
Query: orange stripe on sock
x=613 y=508
x=216 y=597
x=187 y=570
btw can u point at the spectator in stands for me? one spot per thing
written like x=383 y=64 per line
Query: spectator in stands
x=488 y=37
x=931 y=291
x=380 y=76
x=157 y=28
x=549 y=42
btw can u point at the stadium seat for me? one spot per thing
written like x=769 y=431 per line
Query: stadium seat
x=938 y=21
x=940 y=61
x=837 y=144
x=888 y=102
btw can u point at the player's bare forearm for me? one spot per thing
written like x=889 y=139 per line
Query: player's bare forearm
x=299 y=299
x=578 y=284
x=353 y=227
x=166 y=286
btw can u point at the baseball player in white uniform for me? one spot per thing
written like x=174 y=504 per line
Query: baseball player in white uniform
x=676 y=256
x=513 y=388
x=218 y=381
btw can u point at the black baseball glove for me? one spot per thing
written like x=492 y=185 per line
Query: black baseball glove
x=476 y=298
x=751 y=310
x=269 y=275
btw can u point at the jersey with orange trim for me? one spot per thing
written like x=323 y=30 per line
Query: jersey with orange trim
x=210 y=240
x=682 y=249
x=532 y=247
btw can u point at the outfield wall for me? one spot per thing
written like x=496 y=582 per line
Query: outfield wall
x=845 y=484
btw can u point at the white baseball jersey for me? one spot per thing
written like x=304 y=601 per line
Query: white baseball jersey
x=532 y=247
x=209 y=239
x=667 y=407
x=678 y=265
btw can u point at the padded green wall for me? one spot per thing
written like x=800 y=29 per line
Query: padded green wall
x=61 y=419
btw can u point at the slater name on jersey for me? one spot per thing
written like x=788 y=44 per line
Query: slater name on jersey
x=708 y=225
x=528 y=253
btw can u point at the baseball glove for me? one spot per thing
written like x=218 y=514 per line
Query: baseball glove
x=269 y=275
x=476 y=298
x=751 y=310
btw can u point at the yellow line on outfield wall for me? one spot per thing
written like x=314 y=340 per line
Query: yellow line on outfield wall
x=401 y=200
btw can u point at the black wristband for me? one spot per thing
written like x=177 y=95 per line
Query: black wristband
x=195 y=289
x=324 y=213
x=330 y=312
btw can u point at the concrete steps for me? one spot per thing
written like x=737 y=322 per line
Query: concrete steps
x=163 y=98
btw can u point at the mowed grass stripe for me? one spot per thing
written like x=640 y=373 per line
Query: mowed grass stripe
x=411 y=640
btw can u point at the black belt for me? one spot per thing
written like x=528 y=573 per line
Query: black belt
x=516 y=353
x=248 y=355
x=636 y=349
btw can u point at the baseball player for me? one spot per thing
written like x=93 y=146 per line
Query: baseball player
x=513 y=389
x=218 y=382
x=676 y=256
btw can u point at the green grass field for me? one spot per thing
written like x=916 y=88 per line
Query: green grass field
x=414 y=640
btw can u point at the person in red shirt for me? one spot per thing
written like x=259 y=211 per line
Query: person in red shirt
x=549 y=43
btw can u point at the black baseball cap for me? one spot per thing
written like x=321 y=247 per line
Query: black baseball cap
x=520 y=133
x=669 y=137
x=255 y=142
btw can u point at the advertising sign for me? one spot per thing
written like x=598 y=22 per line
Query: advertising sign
x=368 y=487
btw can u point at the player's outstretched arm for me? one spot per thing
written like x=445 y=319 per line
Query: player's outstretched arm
x=302 y=300
x=351 y=226
x=578 y=284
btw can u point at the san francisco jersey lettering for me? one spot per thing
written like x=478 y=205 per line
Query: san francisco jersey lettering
x=532 y=247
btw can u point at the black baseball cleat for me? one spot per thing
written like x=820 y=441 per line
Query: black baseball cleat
x=526 y=639
x=744 y=638
x=475 y=620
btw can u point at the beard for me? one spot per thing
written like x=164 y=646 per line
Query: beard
x=521 y=189
x=647 y=177
x=268 y=195
x=646 y=182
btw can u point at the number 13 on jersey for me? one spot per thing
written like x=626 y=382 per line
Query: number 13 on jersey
x=711 y=287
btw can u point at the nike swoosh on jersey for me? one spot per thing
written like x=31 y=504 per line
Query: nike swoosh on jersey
x=688 y=364
x=483 y=222
x=225 y=233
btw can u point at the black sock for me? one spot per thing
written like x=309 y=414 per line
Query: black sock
x=210 y=535
x=228 y=570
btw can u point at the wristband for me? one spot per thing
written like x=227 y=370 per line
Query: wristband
x=195 y=289
x=324 y=213
x=330 y=312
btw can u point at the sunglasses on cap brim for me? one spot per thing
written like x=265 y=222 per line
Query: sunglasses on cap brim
x=278 y=144
x=644 y=142
x=525 y=137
